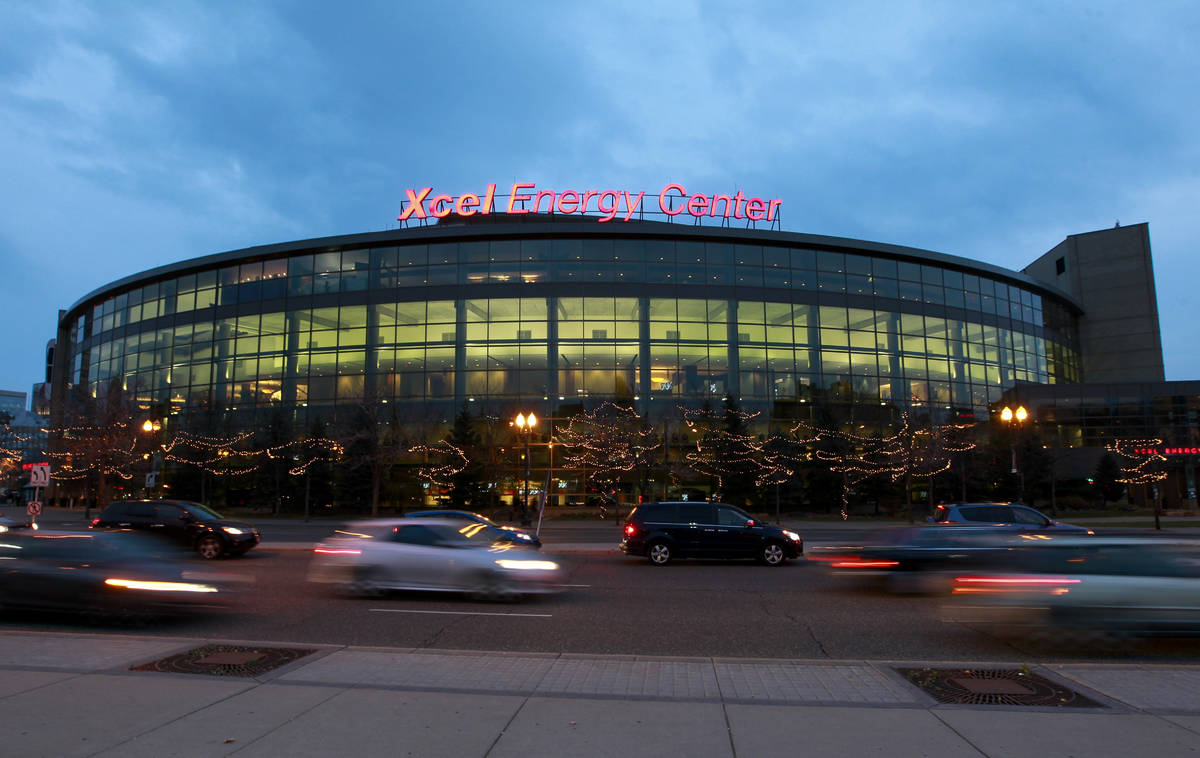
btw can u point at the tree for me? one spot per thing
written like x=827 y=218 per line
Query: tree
x=98 y=443
x=606 y=443
x=1141 y=464
x=467 y=486
x=374 y=441
x=1106 y=480
x=725 y=451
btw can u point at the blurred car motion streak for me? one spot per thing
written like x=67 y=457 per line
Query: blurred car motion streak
x=428 y=554
x=922 y=559
x=104 y=575
x=1128 y=586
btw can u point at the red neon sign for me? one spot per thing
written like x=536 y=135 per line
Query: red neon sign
x=1167 y=451
x=525 y=198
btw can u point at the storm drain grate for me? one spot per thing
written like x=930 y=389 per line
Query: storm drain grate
x=226 y=660
x=995 y=687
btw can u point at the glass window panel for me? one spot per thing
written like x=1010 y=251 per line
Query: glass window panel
x=662 y=309
x=831 y=261
x=909 y=272
x=835 y=337
x=833 y=316
x=693 y=310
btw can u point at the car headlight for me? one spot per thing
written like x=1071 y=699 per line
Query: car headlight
x=523 y=536
x=232 y=530
x=791 y=535
x=134 y=584
x=509 y=563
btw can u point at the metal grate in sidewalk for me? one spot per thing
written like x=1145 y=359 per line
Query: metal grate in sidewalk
x=226 y=660
x=994 y=687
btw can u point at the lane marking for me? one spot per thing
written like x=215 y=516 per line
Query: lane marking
x=574 y=585
x=462 y=613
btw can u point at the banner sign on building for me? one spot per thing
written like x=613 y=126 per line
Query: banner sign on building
x=606 y=205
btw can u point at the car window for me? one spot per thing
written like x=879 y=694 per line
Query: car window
x=1027 y=516
x=416 y=535
x=660 y=514
x=140 y=510
x=695 y=513
x=727 y=516
x=169 y=512
x=988 y=514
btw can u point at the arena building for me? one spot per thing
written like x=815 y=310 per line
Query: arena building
x=554 y=301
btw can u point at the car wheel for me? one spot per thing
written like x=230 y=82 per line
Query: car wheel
x=772 y=554
x=210 y=547
x=366 y=583
x=659 y=553
x=493 y=587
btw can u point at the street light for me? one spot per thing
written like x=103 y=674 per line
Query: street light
x=525 y=426
x=1009 y=416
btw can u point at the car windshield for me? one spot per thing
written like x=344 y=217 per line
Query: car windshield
x=474 y=534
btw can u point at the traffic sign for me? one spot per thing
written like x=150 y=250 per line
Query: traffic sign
x=39 y=475
x=152 y=480
x=34 y=508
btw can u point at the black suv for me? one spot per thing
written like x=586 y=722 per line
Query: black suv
x=196 y=526
x=662 y=531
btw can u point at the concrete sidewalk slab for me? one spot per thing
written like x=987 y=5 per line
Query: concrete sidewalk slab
x=365 y=723
x=86 y=714
x=579 y=728
x=80 y=652
x=1159 y=688
x=843 y=731
x=1070 y=735
x=227 y=725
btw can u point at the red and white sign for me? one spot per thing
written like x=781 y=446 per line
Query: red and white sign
x=34 y=508
x=610 y=204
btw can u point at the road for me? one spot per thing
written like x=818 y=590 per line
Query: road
x=619 y=605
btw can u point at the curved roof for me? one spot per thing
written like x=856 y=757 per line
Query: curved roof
x=550 y=226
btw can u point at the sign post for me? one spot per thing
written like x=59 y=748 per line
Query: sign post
x=39 y=477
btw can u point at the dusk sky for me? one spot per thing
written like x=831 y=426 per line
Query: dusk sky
x=134 y=135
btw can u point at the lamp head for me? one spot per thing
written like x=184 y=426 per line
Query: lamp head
x=1006 y=414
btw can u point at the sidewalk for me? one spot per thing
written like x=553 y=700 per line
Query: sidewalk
x=65 y=694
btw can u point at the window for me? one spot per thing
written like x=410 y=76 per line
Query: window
x=1060 y=266
x=698 y=513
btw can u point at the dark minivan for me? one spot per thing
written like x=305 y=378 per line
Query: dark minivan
x=192 y=525
x=663 y=531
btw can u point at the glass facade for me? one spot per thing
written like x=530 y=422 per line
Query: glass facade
x=533 y=315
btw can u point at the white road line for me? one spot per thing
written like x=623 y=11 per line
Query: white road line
x=574 y=585
x=463 y=613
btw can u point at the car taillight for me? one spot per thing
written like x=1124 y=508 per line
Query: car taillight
x=94 y=522
x=630 y=530
x=865 y=564
x=336 y=551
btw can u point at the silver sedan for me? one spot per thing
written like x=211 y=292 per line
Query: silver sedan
x=441 y=555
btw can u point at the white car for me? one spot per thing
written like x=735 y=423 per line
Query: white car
x=1109 y=585
x=441 y=555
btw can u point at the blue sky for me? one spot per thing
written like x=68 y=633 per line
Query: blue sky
x=138 y=134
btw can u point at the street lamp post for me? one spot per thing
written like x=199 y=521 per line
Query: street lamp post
x=155 y=458
x=1009 y=416
x=525 y=424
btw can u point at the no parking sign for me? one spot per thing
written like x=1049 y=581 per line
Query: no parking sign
x=34 y=508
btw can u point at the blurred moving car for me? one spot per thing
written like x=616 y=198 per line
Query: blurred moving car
x=518 y=536
x=920 y=559
x=1118 y=585
x=192 y=525
x=665 y=531
x=105 y=574
x=428 y=554
x=1011 y=515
